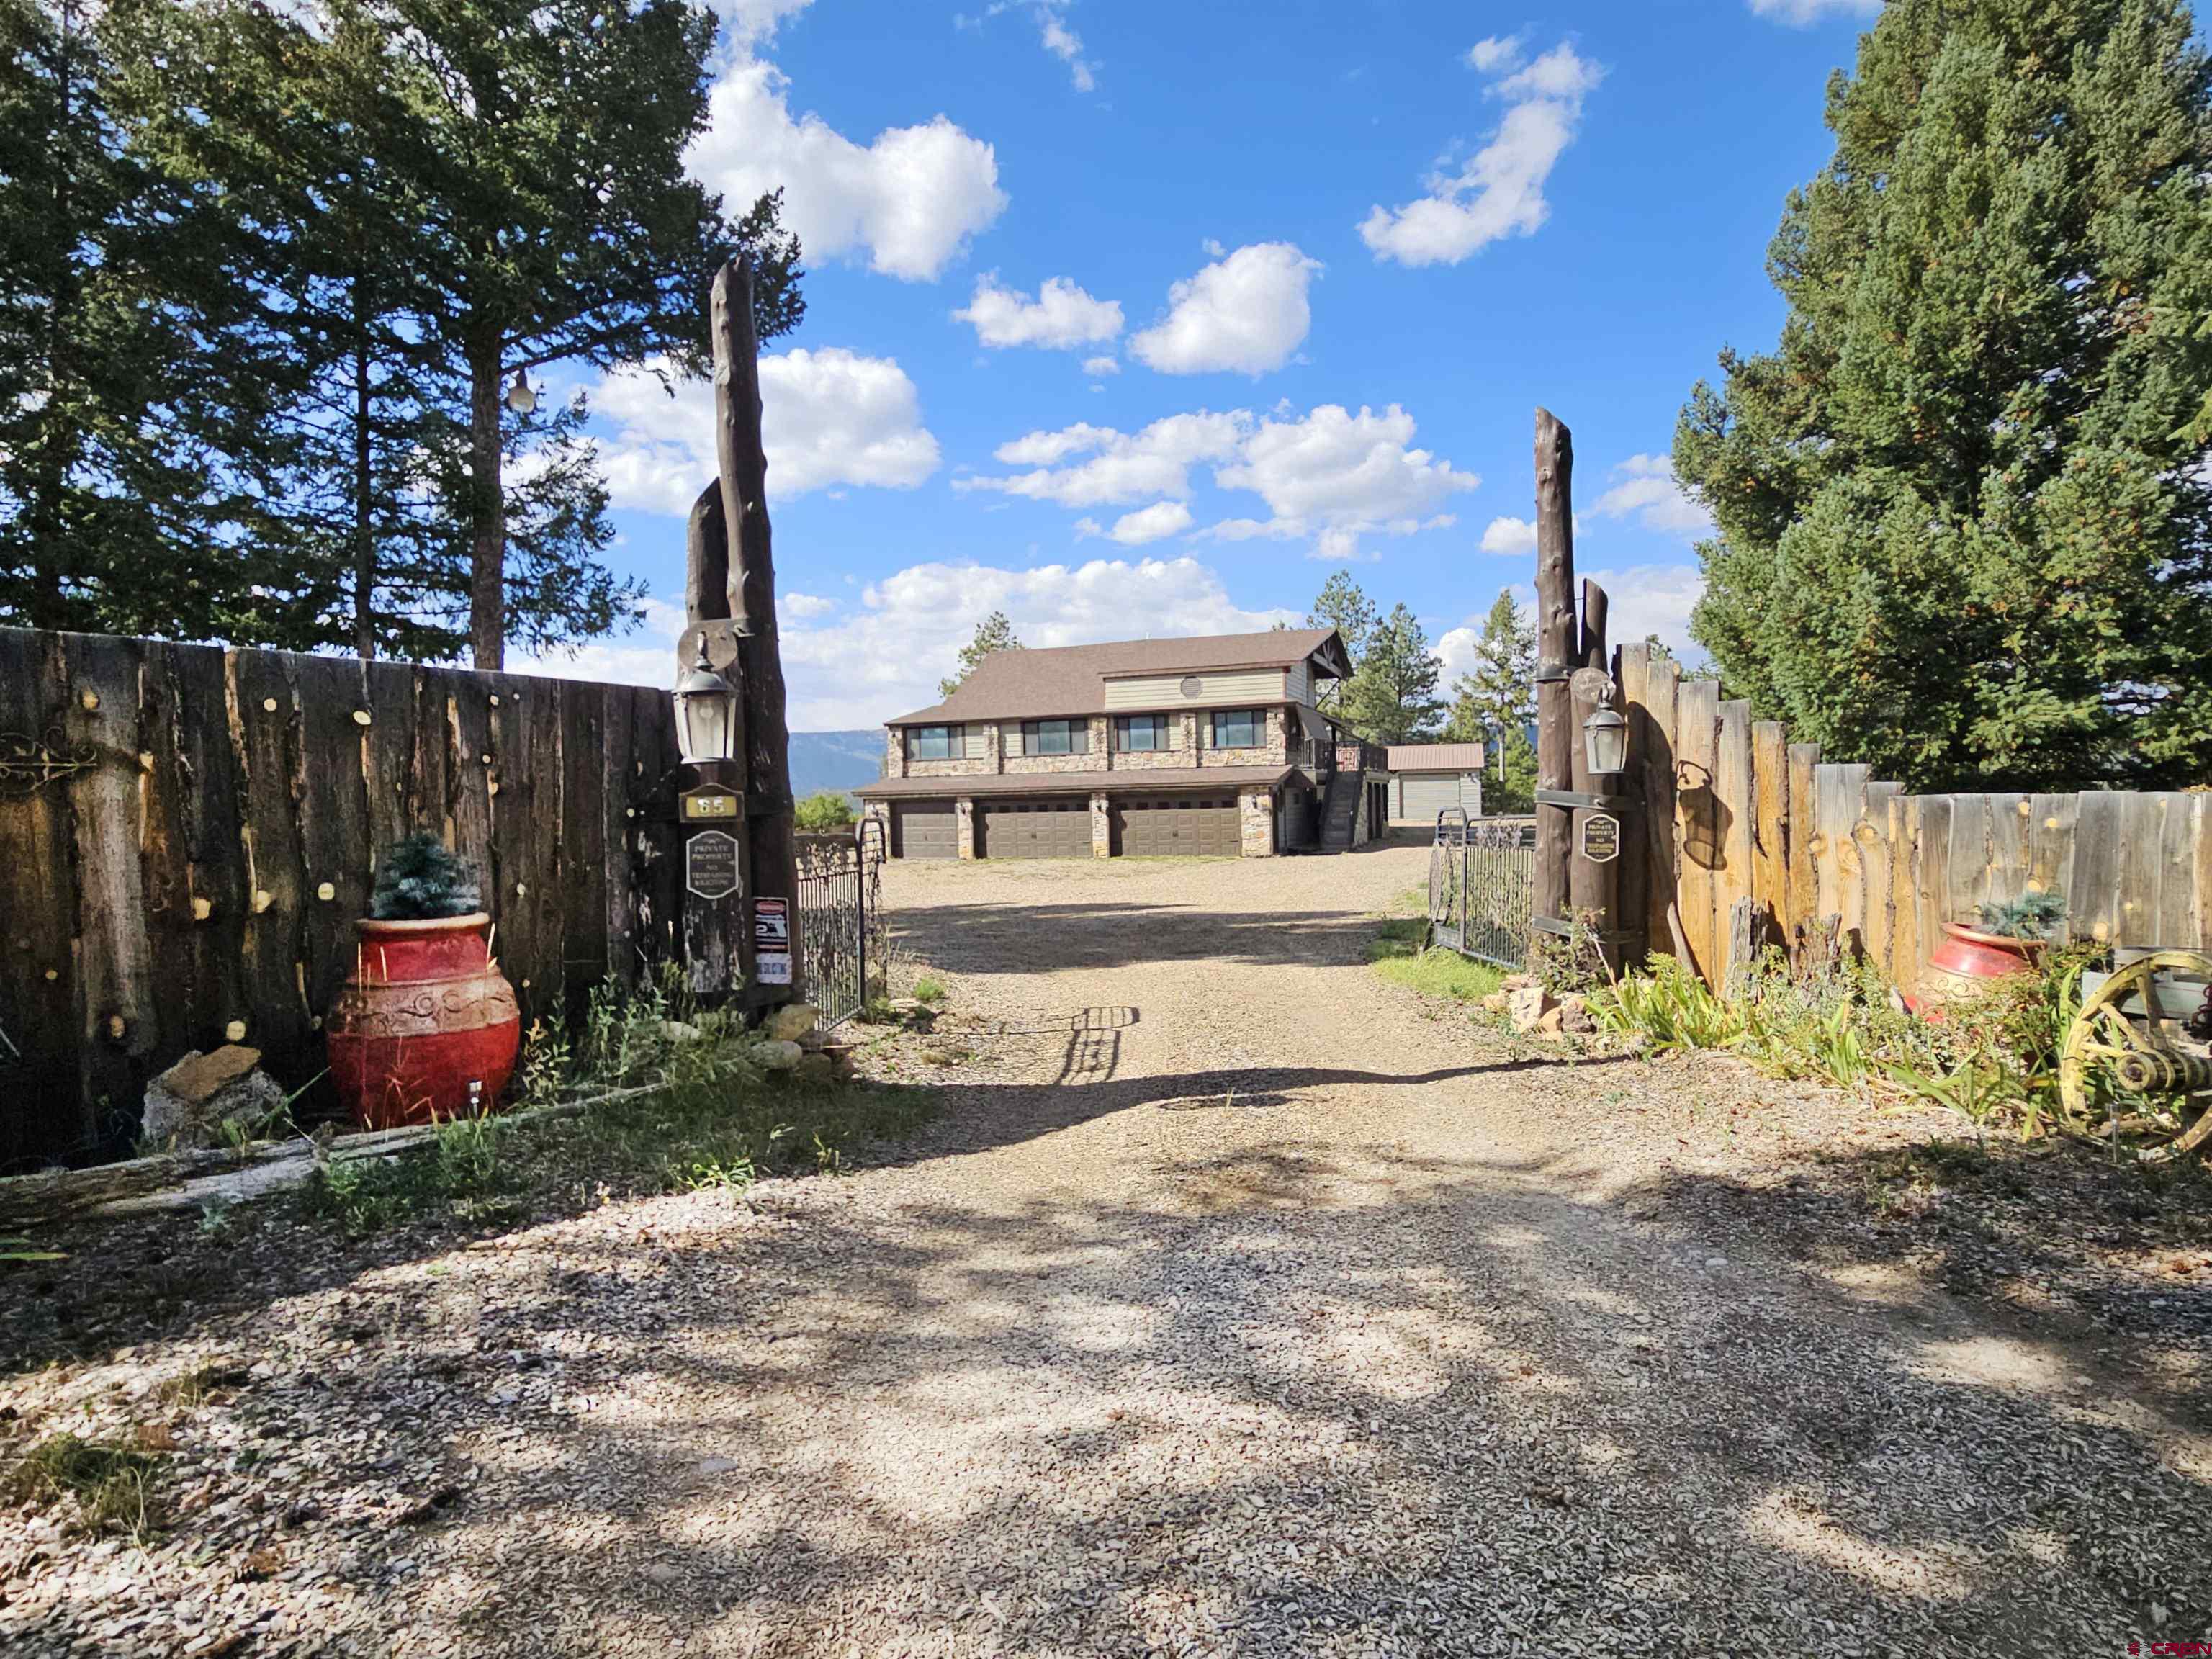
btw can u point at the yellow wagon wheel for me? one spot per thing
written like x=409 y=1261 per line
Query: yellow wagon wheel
x=2141 y=1055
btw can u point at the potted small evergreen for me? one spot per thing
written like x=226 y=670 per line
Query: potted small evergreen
x=426 y=1026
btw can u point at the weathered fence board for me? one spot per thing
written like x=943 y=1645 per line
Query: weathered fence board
x=1755 y=814
x=198 y=882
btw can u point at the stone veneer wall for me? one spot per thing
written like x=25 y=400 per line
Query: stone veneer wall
x=1275 y=752
x=1182 y=756
x=1093 y=759
x=1255 y=822
x=1101 y=828
x=964 y=834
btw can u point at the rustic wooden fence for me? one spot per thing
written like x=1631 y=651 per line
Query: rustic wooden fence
x=187 y=870
x=1738 y=811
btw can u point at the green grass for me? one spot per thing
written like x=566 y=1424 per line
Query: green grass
x=1396 y=953
x=928 y=990
x=109 y=1482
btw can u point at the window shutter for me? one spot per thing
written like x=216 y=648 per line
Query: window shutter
x=1078 y=737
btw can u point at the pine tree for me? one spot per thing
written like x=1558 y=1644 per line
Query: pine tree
x=1392 y=697
x=993 y=633
x=1343 y=605
x=1499 y=693
x=1963 y=512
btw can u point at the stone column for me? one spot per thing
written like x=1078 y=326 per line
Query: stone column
x=1101 y=828
x=894 y=752
x=1102 y=751
x=1256 y=813
x=964 y=810
x=995 y=747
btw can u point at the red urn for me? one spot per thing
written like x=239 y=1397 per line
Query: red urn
x=426 y=1026
x=1969 y=958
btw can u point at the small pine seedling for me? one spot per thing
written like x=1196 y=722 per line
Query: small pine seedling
x=421 y=878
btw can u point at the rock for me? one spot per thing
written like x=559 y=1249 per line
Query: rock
x=1550 y=1022
x=189 y=1104
x=717 y=1465
x=780 y=1056
x=1526 y=1004
x=679 y=1030
x=1518 y=982
x=1496 y=1002
x=1575 y=1016
x=792 y=1022
x=815 y=1068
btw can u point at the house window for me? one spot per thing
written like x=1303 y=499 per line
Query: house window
x=935 y=743
x=1142 y=731
x=1055 y=736
x=1240 y=728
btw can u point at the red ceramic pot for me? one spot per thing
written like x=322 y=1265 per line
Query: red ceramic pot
x=427 y=1025
x=1969 y=959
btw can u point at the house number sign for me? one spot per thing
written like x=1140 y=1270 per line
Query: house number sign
x=1600 y=837
x=710 y=864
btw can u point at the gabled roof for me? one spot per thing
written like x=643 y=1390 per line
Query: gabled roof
x=1071 y=679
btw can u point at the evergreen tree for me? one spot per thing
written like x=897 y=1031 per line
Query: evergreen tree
x=993 y=633
x=1343 y=605
x=1392 y=698
x=1964 y=514
x=1499 y=695
x=139 y=381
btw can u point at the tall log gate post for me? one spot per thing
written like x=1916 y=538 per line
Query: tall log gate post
x=749 y=899
x=1556 y=646
x=1579 y=839
x=770 y=832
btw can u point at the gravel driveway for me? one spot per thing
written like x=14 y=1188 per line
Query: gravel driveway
x=1238 y=1305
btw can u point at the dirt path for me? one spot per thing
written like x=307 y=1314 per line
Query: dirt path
x=1238 y=1305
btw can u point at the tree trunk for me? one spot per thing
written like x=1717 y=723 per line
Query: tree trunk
x=1557 y=649
x=487 y=510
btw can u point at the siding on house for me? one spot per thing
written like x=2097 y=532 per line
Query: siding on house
x=1222 y=690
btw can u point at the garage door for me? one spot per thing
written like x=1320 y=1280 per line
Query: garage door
x=1033 y=830
x=925 y=829
x=1189 y=826
x=1421 y=796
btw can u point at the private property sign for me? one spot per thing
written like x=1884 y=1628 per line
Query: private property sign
x=710 y=864
x=1600 y=837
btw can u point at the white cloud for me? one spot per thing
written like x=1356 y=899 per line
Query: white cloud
x=1329 y=476
x=1653 y=598
x=1052 y=33
x=907 y=202
x=886 y=658
x=1495 y=55
x=1499 y=192
x=1062 y=315
x=804 y=607
x=1151 y=524
x=1503 y=535
x=1454 y=649
x=1804 y=12
x=1117 y=466
x=1647 y=492
x=1337 y=476
x=1101 y=366
x=752 y=20
x=829 y=416
x=1246 y=312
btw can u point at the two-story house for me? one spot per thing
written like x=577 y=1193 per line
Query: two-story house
x=1143 y=747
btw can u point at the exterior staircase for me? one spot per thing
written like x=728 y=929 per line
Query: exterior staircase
x=1340 y=811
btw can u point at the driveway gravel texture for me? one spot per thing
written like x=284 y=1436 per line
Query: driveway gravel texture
x=1238 y=1303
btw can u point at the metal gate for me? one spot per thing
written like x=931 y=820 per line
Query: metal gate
x=841 y=936
x=1482 y=878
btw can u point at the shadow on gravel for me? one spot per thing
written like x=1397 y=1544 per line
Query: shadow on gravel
x=1025 y=938
x=1430 y=1406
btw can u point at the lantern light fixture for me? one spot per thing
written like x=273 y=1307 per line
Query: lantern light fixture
x=521 y=396
x=1605 y=740
x=705 y=705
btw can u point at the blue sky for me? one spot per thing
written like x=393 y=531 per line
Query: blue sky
x=1133 y=319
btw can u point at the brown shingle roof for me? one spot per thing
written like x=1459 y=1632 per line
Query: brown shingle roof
x=1146 y=781
x=1071 y=679
x=1436 y=756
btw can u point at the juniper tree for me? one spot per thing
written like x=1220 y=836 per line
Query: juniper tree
x=1963 y=515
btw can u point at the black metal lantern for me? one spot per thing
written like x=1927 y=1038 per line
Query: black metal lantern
x=1605 y=740
x=705 y=705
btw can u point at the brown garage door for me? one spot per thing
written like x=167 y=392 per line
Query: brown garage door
x=1033 y=830
x=925 y=829
x=1188 y=826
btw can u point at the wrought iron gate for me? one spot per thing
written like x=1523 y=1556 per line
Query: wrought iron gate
x=1482 y=874
x=841 y=936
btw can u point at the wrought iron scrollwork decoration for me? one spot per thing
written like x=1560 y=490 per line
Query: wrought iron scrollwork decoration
x=28 y=764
